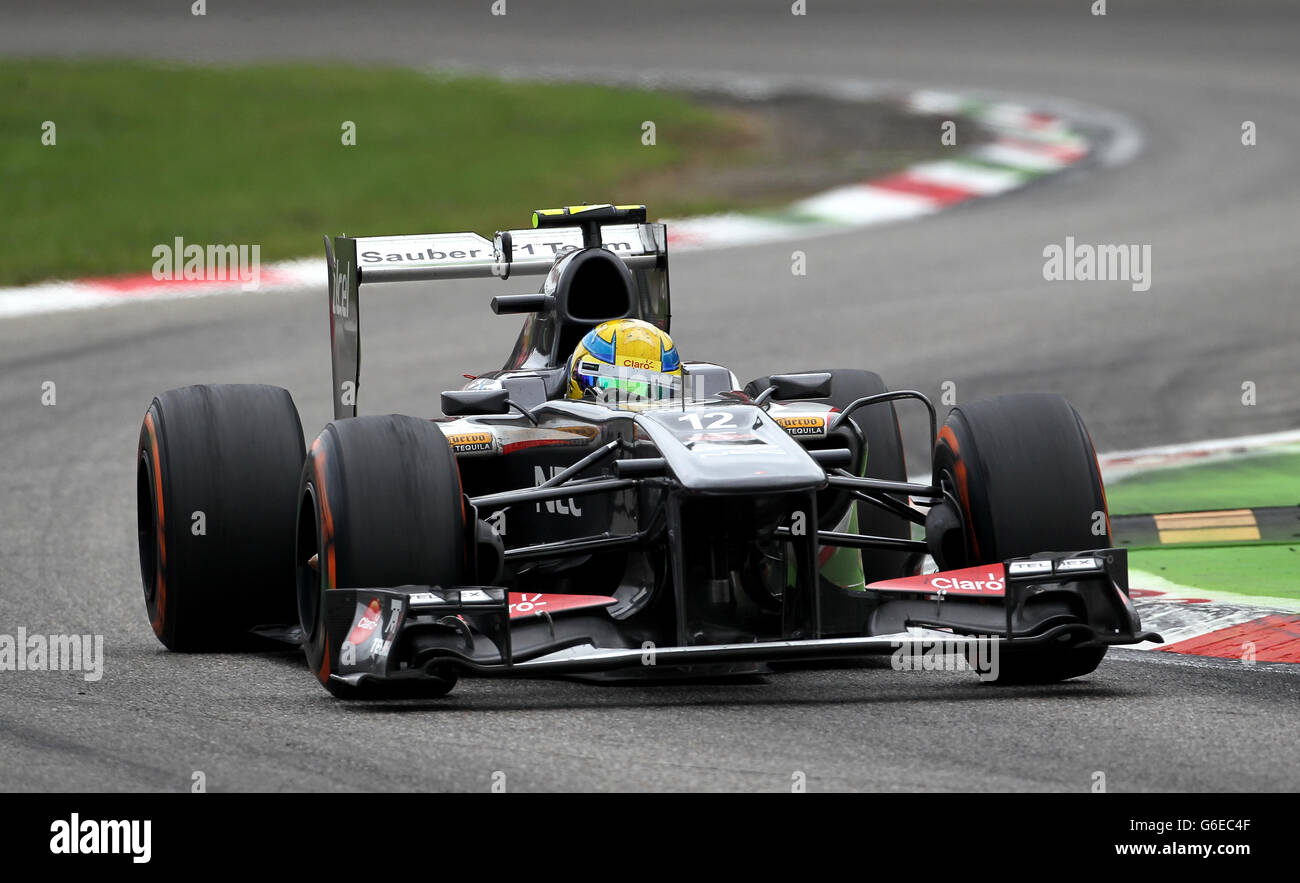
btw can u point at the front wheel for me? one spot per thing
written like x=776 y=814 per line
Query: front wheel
x=380 y=506
x=1023 y=473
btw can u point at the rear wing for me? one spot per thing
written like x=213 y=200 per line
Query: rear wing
x=353 y=262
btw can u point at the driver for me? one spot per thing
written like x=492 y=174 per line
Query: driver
x=626 y=363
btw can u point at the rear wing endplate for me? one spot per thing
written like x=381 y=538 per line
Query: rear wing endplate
x=353 y=262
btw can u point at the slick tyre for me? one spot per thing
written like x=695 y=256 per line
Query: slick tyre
x=216 y=497
x=1024 y=473
x=379 y=506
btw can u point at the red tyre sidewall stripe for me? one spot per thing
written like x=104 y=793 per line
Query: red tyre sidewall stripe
x=948 y=437
x=326 y=554
x=161 y=574
x=1096 y=464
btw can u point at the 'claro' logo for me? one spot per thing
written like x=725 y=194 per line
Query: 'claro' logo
x=366 y=625
x=952 y=584
x=638 y=363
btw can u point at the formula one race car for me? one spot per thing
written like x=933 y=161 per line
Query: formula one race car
x=599 y=507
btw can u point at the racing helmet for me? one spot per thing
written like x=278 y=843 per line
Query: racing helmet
x=625 y=363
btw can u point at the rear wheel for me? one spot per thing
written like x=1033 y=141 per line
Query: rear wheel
x=1023 y=472
x=380 y=506
x=216 y=492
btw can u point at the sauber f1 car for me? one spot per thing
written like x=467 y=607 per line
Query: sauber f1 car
x=599 y=507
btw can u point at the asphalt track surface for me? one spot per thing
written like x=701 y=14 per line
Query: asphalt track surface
x=955 y=297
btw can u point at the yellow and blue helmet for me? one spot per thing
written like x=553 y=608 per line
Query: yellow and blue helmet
x=625 y=363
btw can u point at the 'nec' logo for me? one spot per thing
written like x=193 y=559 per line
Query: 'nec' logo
x=341 y=289
x=555 y=506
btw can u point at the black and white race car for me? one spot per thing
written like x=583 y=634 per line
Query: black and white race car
x=527 y=534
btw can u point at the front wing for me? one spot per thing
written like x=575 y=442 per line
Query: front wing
x=390 y=635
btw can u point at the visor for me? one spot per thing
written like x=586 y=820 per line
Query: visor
x=628 y=386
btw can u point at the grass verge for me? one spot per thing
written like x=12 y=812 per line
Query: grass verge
x=144 y=152
x=1267 y=571
x=1247 y=569
x=1239 y=483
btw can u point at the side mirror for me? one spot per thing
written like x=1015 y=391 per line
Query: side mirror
x=503 y=304
x=469 y=402
x=798 y=386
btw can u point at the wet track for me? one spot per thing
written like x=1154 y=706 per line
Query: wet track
x=957 y=297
